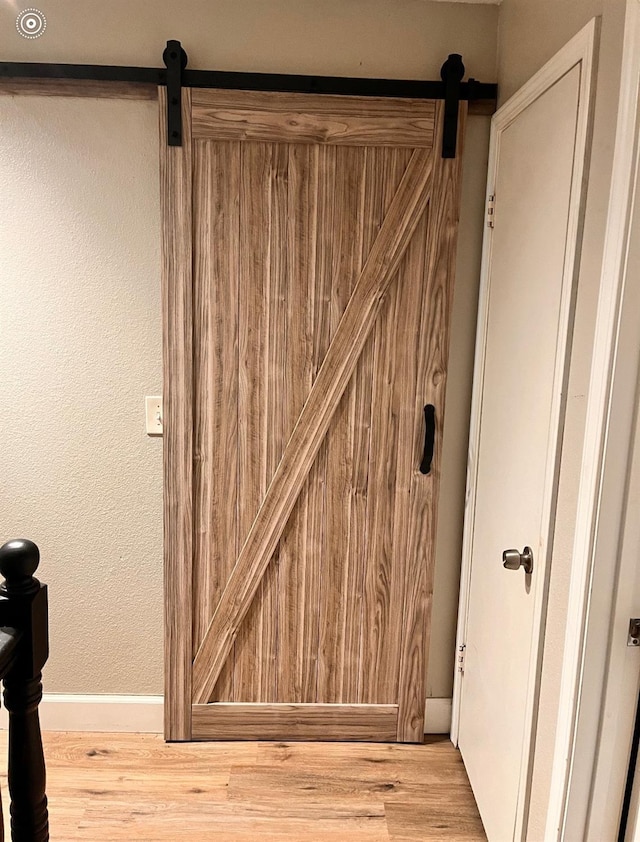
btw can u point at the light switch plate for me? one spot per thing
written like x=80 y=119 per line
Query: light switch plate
x=153 y=414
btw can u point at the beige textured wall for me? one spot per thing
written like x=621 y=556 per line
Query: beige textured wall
x=530 y=32
x=401 y=38
x=79 y=299
x=80 y=347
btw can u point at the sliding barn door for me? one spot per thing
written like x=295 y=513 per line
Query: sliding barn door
x=308 y=249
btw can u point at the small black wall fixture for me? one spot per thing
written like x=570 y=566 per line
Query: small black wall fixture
x=175 y=75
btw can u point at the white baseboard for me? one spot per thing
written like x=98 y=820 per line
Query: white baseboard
x=437 y=716
x=144 y=714
x=75 y=712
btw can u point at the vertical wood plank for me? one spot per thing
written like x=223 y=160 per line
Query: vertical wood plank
x=430 y=388
x=340 y=256
x=314 y=537
x=370 y=219
x=203 y=566
x=177 y=349
x=215 y=421
x=408 y=403
x=256 y=186
x=380 y=628
x=277 y=378
x=298 y=373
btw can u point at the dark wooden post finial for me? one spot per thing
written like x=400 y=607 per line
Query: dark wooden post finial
x=23 y=610
x=19 y=560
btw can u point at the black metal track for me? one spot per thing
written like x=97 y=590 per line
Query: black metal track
x=83 y=72
x=229 y=80
x=340 y=85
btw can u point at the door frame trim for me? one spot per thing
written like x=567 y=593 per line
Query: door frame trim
x=580 y=50
x=592 y=740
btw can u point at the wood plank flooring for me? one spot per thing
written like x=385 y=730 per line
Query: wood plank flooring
x=135 y=787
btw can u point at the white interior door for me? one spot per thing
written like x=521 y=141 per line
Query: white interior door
x=537 y=158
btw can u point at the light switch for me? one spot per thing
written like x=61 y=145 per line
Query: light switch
x=153 y=412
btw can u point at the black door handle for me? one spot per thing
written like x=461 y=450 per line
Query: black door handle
x=429 y=438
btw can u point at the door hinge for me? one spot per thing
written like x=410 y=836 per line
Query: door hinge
x=461 y=653
x=491 y=209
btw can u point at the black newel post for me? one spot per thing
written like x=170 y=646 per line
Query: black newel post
x=23 y=606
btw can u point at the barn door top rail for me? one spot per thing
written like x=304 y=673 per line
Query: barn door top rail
x=175 y=75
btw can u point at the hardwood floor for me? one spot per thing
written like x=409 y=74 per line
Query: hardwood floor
x=137 y=788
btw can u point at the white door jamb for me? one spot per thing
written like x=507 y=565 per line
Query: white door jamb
x=583 y=768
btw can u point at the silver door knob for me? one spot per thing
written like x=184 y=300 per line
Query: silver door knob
x=513 y=560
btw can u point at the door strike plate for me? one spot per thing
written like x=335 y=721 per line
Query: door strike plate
x=633 y=638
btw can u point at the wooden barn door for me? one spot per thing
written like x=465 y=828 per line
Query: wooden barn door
x=308 y=254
